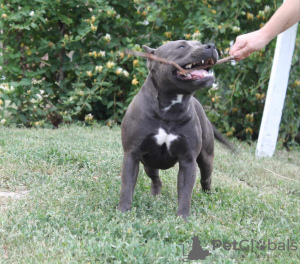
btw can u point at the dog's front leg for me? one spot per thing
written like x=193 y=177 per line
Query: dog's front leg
x=185 y=183
x=130 y=172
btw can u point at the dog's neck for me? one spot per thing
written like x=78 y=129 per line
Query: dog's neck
x=170 y=105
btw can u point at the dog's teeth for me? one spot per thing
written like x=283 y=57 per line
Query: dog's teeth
x=188 y=75
x=202 y=61
x=188 y=66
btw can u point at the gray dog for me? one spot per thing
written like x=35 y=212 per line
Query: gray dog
x=165 y=124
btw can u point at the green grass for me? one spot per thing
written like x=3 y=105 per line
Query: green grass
x=70 y=215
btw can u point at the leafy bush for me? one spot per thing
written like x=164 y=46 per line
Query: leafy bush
x=65 y=59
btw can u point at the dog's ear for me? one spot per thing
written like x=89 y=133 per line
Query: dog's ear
x=150 y=51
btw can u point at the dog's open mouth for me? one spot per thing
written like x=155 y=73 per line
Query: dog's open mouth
x=197 y=70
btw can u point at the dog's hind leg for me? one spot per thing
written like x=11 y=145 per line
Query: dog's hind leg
x=156 y=182
x=205 y=163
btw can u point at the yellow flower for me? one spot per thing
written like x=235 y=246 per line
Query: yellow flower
x=135 y=63
x=1 y=102
x=107 y=37
x=267 y=9
x=297 y=82
x=110 y=123
x=250 y=16
x=89 y=73
x=93 y=18
x=213 y=12
x=196 y=35
x=257 y=96
x=249 y=130
x=249 y=117
x=93 y=27
x=229 y=133
x=187 y=35
x=236 y=29
x=168 y=34
x=4 y=16
x=234 y=110
x=101 y=53
x=89 y=118
x=121 y=54
x=135 y=81
x=126 y=74
x=144 y=13
x=110 y=64
x=119 y=71
x=99 y=69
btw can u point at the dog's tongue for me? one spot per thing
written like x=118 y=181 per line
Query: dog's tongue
x=199 y=73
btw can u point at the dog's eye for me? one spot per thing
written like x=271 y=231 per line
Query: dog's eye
x=181 y=47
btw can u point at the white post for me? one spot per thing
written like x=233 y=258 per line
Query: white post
x=269 y=128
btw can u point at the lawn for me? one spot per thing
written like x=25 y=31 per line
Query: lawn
x=69 y=213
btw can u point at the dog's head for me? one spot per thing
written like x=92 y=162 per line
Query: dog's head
x=188 y=55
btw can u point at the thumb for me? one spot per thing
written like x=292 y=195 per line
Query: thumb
x=242 y=53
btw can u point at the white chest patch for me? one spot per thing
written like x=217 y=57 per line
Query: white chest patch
x=162 y=137
x=178 y=100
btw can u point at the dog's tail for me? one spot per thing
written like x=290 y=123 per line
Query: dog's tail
x=223 y=140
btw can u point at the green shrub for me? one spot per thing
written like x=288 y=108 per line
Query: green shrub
x=65 y=59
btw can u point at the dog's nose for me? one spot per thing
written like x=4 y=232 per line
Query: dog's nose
x=209 y=46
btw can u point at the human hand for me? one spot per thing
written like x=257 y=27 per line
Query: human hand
x=248 y=43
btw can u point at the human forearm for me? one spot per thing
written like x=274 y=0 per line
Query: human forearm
x=286 y=16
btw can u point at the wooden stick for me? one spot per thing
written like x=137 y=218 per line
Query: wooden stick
x=181 y=70
x=155 y=58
